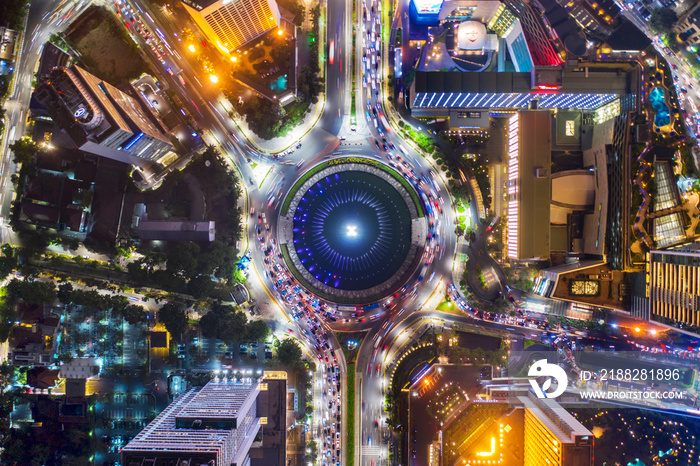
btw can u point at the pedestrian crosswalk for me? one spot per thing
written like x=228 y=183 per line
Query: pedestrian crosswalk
x=370 y=451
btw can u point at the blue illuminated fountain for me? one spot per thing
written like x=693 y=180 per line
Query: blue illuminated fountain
x=352 y=230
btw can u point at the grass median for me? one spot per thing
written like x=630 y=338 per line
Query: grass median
x=350 y=444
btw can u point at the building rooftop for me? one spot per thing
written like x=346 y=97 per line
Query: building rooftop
x=627 y=37
x=217 y=400
x=179 y=230
x=199 y=4
x=200 y=425
x=558 y=421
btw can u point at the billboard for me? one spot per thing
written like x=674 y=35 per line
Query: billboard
x=428 y=7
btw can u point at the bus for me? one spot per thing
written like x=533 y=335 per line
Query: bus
x=331 y=52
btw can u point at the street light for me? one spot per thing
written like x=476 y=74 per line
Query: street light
x=191 y=47
x=214 y=78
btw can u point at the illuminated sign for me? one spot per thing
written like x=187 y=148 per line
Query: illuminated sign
x=471 y=35
x=80 y=112
x=544 y=87
x=428 y=7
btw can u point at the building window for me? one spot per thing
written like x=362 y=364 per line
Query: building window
x=570 y=127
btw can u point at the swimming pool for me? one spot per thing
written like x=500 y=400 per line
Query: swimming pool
x=279 y=85
x=658 y=103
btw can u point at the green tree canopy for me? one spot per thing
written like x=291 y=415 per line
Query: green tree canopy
x=182 y=259
x=65 y=293
x=200 y=286
x=173 y=316
x=257 y=330
x=24 y=150
x=31 y=292
x=224 y=323
x=133 y=314
x=288 y=352
x=662 y=20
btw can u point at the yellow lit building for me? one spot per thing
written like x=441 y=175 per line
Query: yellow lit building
x=674 y=284
x=229 y=24
x=553 y=437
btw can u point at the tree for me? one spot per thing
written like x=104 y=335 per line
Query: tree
x=137 y=272
x=134 y=314
x=200 y=286
x=288 y=352
x=662 y=20
x=24 y=150
x=31 y=292
x=65 y=293
x=173 y=316
x=257 y=330
x=182 y=259
x=224 y=323
x=209 y=324
x=233 y=327
x=219 y=259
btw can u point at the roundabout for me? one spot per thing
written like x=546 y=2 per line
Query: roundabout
x=352 y=230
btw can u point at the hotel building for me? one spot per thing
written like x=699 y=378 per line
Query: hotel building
x=102 y=120
x=230 y=24
x=672 y=286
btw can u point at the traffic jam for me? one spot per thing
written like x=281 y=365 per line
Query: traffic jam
x=371 y=57
x=305 y=309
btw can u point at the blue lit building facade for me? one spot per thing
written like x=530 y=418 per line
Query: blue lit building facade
x=425 y=12
x=439 y=94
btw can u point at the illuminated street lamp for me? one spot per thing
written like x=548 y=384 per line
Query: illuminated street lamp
x=280 y=32
x=214 y=78
x=191 y=47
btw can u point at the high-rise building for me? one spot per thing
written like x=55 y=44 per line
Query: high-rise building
x=529 y=185
x=595 y=16
x=512 y=427
x=101 y=119
x=553 y=437
x=673 y=285
x=215 y=425
x=688 y=26
x=542 y=47
x=230 y=24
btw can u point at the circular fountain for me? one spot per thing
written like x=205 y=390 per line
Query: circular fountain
x=350 y=231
